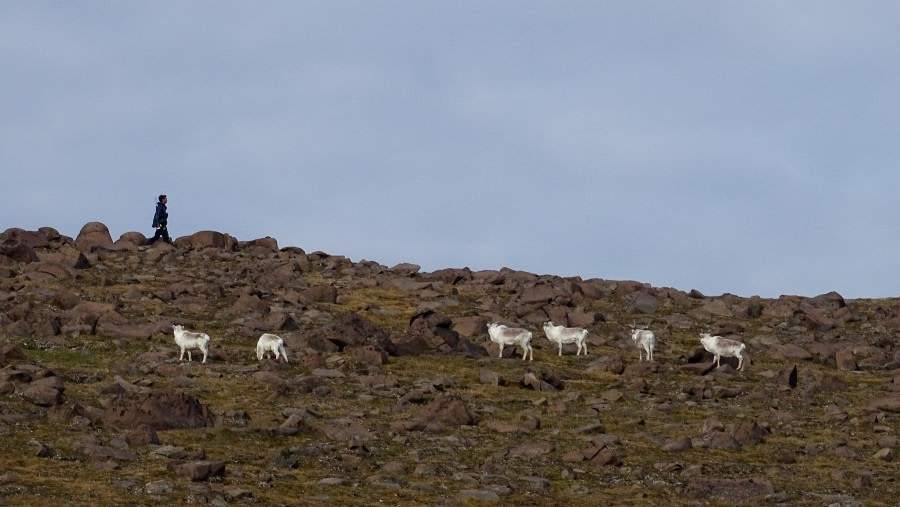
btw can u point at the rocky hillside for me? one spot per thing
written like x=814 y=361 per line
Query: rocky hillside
x=394 y=394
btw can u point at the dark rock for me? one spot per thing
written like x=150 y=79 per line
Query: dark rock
x=531 y=449
x=470 y=326
x=32 y=239
x=100 y=452
x=159 y=410
x=347 y=429
x=699 y=369
x=530 y=381
x=730 y=489
x=202 y=470
x=784 y=456
x=18 y=252
x=10 y=351
x=718 y=440
x=541 y=294
x=444 y=412
x=349 y=329
x=642 y=302
x=750 y=433
x=602 y=456
x=45 y=392
x=789 y=352
x=40 y=449
x=889 y=404
x=369 y=355
x=678 y=444
x=320 y=294
x=491 y=378
x=844 y=360
x=612 y=363
x=142 y=435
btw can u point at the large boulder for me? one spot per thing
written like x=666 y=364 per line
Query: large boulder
x=32 y=239
x=430 y=332
x=132 y=238
x=93 y=235
x=208 y=239
x=446 y=411
x=18 y=252
x=346 y=330
x=642 y=302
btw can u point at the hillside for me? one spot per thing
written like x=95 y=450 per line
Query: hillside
x=394 y=394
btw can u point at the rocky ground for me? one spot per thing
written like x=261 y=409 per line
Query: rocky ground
x=394 y=394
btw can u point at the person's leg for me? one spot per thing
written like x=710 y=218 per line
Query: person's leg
x=165 y=235
x=155 y=236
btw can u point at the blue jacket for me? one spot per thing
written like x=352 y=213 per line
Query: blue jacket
x=161 y=217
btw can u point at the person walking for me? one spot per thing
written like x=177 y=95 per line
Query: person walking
x=161 y=220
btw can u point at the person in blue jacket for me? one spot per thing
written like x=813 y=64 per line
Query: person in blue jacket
x=161 y=220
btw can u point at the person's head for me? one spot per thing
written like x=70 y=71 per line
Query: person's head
x=163 y=198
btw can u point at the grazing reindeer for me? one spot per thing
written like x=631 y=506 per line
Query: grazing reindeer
x=271 y=343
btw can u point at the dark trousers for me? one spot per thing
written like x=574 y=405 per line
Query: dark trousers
x=163 y=233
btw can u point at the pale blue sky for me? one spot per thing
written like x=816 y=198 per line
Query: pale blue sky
x=742 y=147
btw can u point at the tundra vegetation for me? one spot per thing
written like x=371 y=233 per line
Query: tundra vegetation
x=395 y=393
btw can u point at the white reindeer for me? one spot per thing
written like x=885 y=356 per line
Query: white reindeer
x=502 y=335
x=271 y=343
x=562 y=334
x=719 y=347
x=643 y=339
x=188 y=340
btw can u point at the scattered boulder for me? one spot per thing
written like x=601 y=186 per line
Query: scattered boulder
x=158 y=410
x=46 y=392
x=844 y=360
x=431 y=333
x=202 y=470
x=750 y=433
x=678 y=444
x=889 y=404
x=444 y=412
x=349 y=329
x=613 y=363
x=729 y=489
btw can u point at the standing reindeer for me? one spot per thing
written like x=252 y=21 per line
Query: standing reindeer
x=645 y=340
x=502 y=335
x=719 y=347
x=188 y=340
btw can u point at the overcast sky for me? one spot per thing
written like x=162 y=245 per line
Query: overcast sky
x=740 y=147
